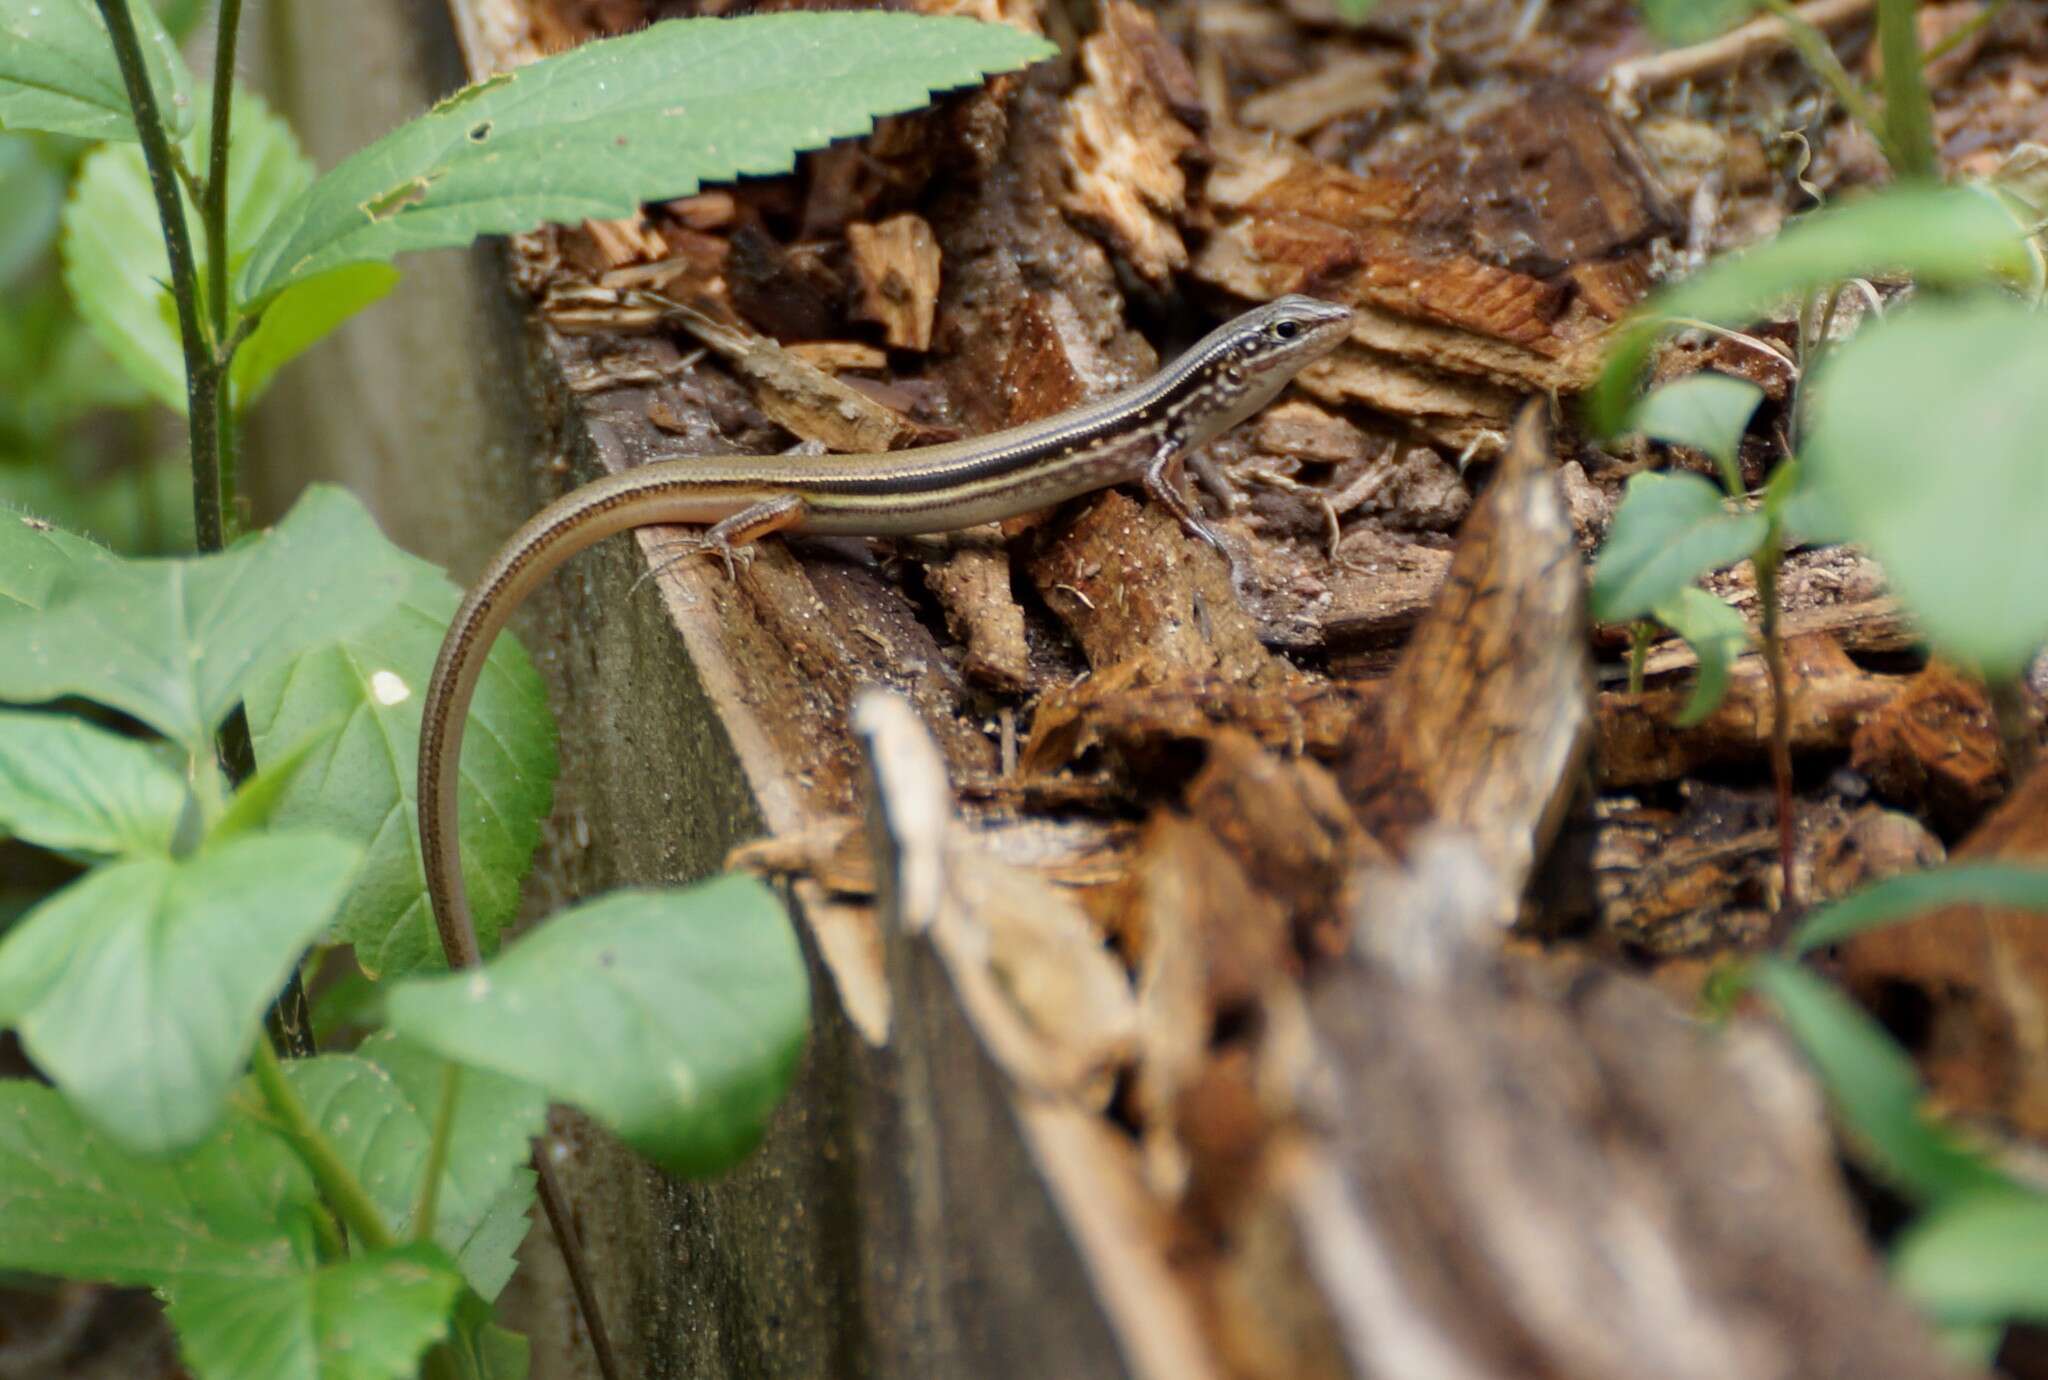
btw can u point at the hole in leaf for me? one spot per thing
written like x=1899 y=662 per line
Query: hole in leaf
x=389 y=204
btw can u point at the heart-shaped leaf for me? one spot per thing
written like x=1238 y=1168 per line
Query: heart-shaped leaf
x=139 y=988
x=67 y=785
x=361 y=785
x=172 y=642
x=366 y=1318
x=235 y=1207
x=675 y=1017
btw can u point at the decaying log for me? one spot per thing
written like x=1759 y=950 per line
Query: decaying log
x=1484 y=725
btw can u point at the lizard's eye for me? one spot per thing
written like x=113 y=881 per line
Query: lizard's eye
x=1286 y=330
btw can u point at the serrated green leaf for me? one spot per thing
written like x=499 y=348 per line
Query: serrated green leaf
x=117 y=271
x=31 y=192
x=1680 y=23
x=1706 y=411
x=74 y=1204
x=1717 y=635
x=1901 y=898
x=363 y=787
x=675 y=1018
x=1940 y=235
x=1670 y=530
x=1924 y=436
x=1981 y=1259
x=378 y=1108
x=139 y=988
x=65 y=784
x=594 y=132
x=368 y=1318
x=173 y=642
x=58 y=73
x=1874 y=1087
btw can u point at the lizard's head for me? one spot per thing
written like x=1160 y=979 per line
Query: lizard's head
x=1249 y=361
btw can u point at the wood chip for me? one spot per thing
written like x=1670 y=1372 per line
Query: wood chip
x=840 y=356
x=896 y=265
x=1127 y=130
x=1349 y=84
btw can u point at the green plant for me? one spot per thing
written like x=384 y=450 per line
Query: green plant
x=222 y=742
x=1672 y=530
x=1972 y=1257
x=1915 y=439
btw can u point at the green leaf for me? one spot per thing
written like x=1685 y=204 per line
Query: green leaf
x=594 y=132
x=488 y=1186
x=484 y=1350
x=1717 y=635
x=31 y=192
x=139 y=988
x=1981 y=1259
x=37 y=560
x=363 y=785
x=1706 y=411
x=116 y=268
x=1680 y=23
x=254 y=805
x=1924 y=437
x=378 y=1108
x=57 y=70
x=1670 y=530
x=236 y=1207
x=173 y=642
x=675 y=1018
x=1946 y=235
x=1355 y=11
x=1901 y=898
x=302 y=316
x=367 y=1318
x=67 y=785
x=1874 y=1087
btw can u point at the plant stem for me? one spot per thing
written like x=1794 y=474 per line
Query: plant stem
x=215 y=211
x=1908 y=132
x=338 y=1183
x=437 y=1154
x=1966 y=31
x=1766 y=564
x=1639 y=652
x=202 y=379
